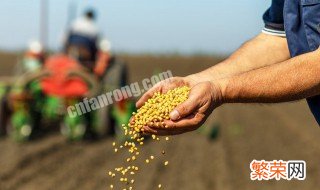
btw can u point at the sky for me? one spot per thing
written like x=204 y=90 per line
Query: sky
x=141 y=26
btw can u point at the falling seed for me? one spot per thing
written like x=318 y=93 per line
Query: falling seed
x=156 y=109
x=111 y=186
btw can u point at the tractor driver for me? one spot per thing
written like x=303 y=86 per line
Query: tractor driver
x=82 y=38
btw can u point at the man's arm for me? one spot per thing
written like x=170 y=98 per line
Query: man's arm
x=261 y=51
x=290 y=80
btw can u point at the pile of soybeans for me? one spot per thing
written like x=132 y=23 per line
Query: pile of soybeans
x=152 y=113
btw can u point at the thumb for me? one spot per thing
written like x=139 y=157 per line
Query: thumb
x=184 y=109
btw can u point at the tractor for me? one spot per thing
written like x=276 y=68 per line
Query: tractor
x=35 y=100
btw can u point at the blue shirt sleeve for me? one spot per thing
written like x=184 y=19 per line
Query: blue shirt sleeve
x=273 y=18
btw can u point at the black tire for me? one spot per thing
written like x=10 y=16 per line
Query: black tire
x=111 y=130
x=78 y=132
x=4 y=115
x=115 y=77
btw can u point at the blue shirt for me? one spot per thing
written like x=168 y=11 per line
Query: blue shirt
x=299 y=22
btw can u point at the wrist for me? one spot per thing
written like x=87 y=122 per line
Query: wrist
x=222 y=86
x=193 y=79
x=207 y=75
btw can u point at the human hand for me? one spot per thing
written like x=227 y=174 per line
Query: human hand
x=204 y=97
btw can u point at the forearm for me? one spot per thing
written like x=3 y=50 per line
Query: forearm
x=290 y=80
x=261 y=51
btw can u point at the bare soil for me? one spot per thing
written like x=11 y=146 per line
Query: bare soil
x=247 y=132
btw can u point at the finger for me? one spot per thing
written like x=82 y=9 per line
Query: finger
x=169 y=124
x=163 y=132
x=132 y=119
x=148 y=130
x=190 y=122
x=175 y=128
x=186 y=108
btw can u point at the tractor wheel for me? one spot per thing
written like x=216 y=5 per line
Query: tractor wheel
x=121 y=114
x=23 y=124
x=114 y=129
x=21 y=132
x=73 y=133
x=104 y=122
x=101 y=122
x=4 y=114
x=115 y=78
x=73 y=128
